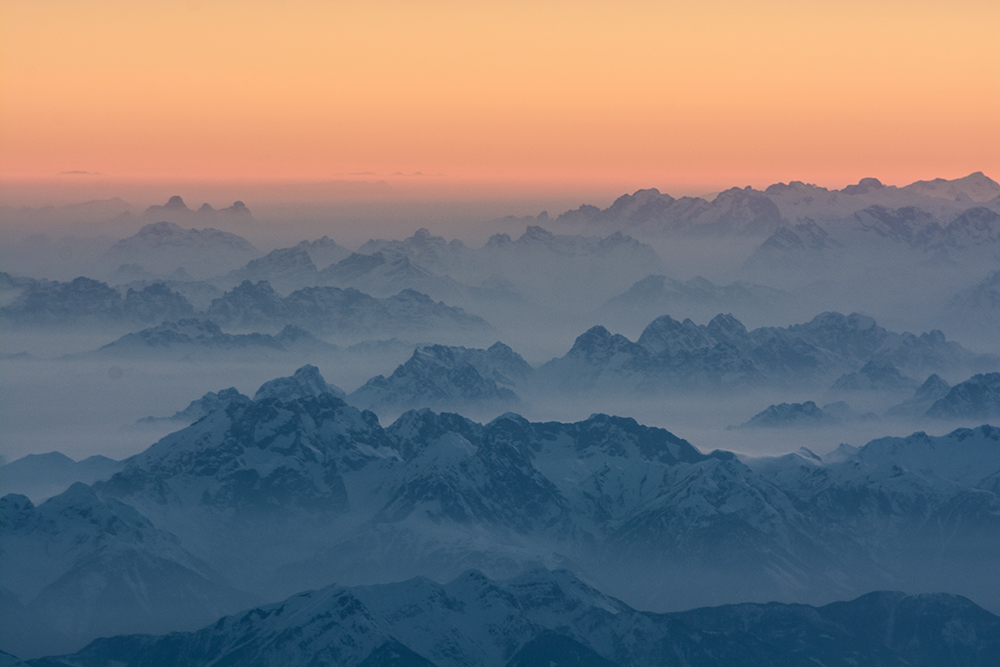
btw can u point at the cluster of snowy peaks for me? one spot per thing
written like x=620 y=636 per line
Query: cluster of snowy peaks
x=295 y=489
x=849 y=357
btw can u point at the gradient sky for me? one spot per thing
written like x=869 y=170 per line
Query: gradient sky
x=671 y=94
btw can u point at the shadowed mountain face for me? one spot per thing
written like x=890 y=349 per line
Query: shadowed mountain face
x=553 y=618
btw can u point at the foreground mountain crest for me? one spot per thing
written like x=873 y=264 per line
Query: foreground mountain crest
x=545 y=618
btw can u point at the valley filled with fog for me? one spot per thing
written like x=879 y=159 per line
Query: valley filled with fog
x=761 y=395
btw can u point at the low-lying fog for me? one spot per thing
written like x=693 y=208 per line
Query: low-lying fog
x=551 y=296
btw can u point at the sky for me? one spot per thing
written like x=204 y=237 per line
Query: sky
x=685 y=96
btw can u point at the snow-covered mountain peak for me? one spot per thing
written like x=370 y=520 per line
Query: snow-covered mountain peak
x=306 y=381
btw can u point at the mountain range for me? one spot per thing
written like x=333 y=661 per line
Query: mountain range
x=321 y=310
x=295 y=489
x=193 y=338
x=553 y=618
x=977 y=398
x=340 y=312
x=746 y=211
x=88 y=302
x=163 y=247
x=672 y=355
x=419 y=520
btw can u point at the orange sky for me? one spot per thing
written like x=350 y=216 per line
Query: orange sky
x=667 y=94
